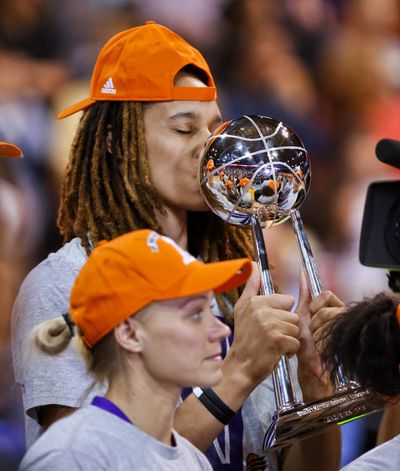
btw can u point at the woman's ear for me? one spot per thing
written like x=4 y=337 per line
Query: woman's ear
x=109 y=139
x=128 y=335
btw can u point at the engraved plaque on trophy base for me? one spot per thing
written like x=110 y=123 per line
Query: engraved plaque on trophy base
x=311 y=418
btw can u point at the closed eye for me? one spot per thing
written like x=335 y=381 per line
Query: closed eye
x=183 y=131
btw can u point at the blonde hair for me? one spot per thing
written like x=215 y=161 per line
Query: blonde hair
x=52 y=336
x=104 y=360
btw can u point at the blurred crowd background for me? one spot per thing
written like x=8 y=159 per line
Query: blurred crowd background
x=330 y=69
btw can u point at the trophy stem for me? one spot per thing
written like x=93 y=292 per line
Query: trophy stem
x=285 y=396
x=315 y=285
x=260 y=251
x=313 y=279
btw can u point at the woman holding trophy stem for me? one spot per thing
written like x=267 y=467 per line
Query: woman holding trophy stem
x=133 y=165
x=137 y=304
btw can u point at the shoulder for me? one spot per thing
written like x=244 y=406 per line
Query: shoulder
x=189 y=449
x=44 y=294
x=66 y=262
x=385 y=456
x=88 y=436
x=53 y=450
x=53 y=447
x=50 y=282
x=77 y=432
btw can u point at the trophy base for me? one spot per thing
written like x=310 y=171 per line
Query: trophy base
x=308 y=419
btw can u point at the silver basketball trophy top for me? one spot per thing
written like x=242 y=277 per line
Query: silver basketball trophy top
x=255 y=172
x=254 y=164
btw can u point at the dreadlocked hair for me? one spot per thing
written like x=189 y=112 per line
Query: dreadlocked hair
x=105 y=195
x=365 y=341
x=213 y=240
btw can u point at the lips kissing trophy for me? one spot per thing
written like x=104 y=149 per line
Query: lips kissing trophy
x=255 y=173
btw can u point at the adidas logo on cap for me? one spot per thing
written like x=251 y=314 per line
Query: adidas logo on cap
x=108 y=87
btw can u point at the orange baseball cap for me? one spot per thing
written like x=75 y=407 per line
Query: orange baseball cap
x=10 y=150
x=140 y=64
x=210 y=164
x=126 y=274
x=273 y=185
x=244 y=181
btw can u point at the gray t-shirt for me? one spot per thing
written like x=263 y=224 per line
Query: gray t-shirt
x=64 y=380
x=94 y=439
x=383 y=457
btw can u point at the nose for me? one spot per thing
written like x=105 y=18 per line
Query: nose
x=218 y=330
x=203 y=135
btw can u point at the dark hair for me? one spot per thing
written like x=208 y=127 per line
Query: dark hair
x=198 y=73
x=267 y=191
x=365 y=341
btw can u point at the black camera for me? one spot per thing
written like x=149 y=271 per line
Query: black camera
x=380 y=231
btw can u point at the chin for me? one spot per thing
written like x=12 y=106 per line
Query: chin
x=210 y=380
x=196 y=205
x=195 y=201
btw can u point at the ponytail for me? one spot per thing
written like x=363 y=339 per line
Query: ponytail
x=52 y=336
x=103 y=360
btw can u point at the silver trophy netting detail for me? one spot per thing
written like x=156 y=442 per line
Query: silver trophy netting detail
x=254 y=164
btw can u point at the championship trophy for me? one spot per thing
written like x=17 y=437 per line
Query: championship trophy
x=255 y=173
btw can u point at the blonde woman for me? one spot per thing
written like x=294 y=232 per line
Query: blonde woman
x=140 y=310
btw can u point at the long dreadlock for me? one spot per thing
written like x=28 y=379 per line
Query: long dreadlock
x=105 y=194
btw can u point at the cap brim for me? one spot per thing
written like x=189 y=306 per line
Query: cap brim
x=80 y=106
x=217 y=277
x=10 y=150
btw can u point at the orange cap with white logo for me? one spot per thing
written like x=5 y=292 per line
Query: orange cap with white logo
x=10 y=150
x=140 y=64
x=126 y=274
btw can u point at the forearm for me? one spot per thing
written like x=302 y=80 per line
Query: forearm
x=322 y=451
x=264 y=331
x=196 y=423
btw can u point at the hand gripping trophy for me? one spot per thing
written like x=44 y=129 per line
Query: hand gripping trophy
x=255 y=172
